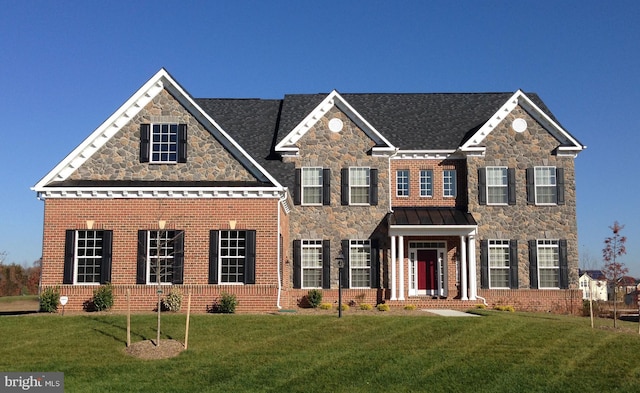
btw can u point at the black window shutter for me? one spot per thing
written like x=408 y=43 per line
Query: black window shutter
x=145 y=138
x=373 y=187
x=482 y=186
x=375 y=264
x=513 y=264
x=560 y=185
x=182 y=143
x=250 y=258
x=141 y=271
x=511 y=185
x=533 y=264
x=344 y=186
x=531 y=186
x=69 y=257
x=297 y=191
x=105 y=264
x=297 y=264
x=326 y=264
x=484 y=264
x=344 y=278
x=564 y=266
x=213 y=256
x=178 y=258
x=326 y=187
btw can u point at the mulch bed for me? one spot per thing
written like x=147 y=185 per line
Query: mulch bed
x=148 y=350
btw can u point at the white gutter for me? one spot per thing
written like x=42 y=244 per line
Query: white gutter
x=389 y=178
x=279 y=251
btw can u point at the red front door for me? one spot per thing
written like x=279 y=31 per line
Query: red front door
x=427 y=270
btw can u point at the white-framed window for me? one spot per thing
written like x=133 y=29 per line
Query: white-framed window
x=311 y=268
x=449 y=182
x=164 y=143
x=233 y=251
x=359 y=182
x=548 y=264
x=360 y=263
x=311 y=186
x=499 y=264
x=497 y=186
x=88 y=253
x=160 y=256
x=545 y=185
x=426 y=183
x=402 y=182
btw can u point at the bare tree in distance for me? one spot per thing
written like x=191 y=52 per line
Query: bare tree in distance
x=613 y=269
x=588 y=261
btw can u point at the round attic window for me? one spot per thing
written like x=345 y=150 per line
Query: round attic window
x=335 y=125
x=519 y=125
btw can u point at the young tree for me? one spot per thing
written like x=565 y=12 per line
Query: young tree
x=613 y=269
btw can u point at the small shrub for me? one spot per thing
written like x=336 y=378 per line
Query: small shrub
x=49 y=299
x=227 y=303
x=173 y=301
x=383 y=307
x=366 y=306
x=326 y=306
x=314 y=298
x=103 y=298
x=481 y=306
x=504 y=308
x=410 y=307
x=345 y=307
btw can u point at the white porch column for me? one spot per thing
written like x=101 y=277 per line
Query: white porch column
x=401 y=246
x=394 y=260
x=473 y=285
x=463 y=268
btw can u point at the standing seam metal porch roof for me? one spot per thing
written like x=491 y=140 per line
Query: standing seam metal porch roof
x=411 y=216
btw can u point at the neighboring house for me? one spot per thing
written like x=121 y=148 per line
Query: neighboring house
x=625 y=286
x=442 y=200
x=593 y=284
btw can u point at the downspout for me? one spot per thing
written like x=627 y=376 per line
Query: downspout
x=483 y=300
x=395 y=153
x=279 y=251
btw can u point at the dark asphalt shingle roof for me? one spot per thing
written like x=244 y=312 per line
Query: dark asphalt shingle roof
x=430 y=121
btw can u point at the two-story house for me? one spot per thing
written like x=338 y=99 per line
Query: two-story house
x=442 y=200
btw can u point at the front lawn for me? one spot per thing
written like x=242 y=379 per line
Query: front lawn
x=499 y=352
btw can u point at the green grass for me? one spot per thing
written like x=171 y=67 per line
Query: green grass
x=13 y=299
x=500 y=352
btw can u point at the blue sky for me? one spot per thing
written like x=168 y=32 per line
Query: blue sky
x=67 y=66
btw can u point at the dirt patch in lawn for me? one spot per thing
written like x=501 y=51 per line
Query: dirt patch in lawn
x=150 y=351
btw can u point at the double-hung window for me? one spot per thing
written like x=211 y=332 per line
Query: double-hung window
x=311 y=263
x=497 y=186
x=449 y=182
x=359 y=186
x=402 y=182
x=163 y=143
x=232 y=256
x=545 y=181
x=499 y=263
x=312 y=186
x=426 y=183
x=87 y=257
x=360 y=263
x=548 y=264
x=160 y=257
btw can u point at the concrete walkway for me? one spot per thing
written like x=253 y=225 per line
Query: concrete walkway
x=450 y=313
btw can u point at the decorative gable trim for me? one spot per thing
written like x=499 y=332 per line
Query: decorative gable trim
x=287 y=145
x=161 y=80
x=570 y=145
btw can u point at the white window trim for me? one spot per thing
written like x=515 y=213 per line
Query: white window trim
x=303 y=186
x=368 y=186
x=503 y=244
x=548 y=243
x=536 y=185
x=151 y=143
x=406 y=182
x=318 y=245
x=76 y=257
x=357 y=244
x=429 y=191
x=453 y=183
x=505 y=186
x=148 y=257
x=220 y=257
